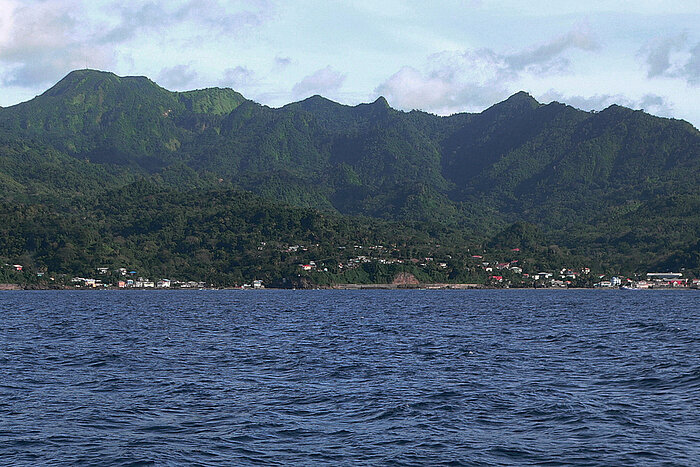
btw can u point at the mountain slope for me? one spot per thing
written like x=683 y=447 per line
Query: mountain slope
x=554 y=166
x=108 y=119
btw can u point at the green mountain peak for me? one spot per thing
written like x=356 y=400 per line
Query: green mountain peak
x=86 y=80
x=381 y=101
x=522 y=99
x=214 y=101
x=315 y=103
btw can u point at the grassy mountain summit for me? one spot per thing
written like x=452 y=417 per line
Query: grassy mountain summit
x=568 y=173
x=109 y=119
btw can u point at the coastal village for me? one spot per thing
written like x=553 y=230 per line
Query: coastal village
x=498 y=274
x=487 y=272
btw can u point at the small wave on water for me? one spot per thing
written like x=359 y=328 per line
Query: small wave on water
x=400 y=377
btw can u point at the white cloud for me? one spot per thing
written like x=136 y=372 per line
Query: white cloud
x=672 y=57
x=44 y=41
x=440 y=93
x=178 y=77
x=211 y=16
x=655 y=104
x=282 y=62
x=7 y=12
x=651 y=103
x=549 y=55
x=657 y=54
x=691 y=70
x=238 y=77
x=321 y=81
x=40 y=41
x=469 y=80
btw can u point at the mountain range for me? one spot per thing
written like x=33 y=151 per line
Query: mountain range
x=619 y=186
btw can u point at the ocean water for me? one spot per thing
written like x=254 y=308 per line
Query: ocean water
x=510 y=377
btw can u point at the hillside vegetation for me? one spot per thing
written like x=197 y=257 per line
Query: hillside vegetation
x=617 y=188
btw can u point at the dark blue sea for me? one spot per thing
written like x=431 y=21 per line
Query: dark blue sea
x=510 y=377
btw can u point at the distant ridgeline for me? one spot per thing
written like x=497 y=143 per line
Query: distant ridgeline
x=102 y=171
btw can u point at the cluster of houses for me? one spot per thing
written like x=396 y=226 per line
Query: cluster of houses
x=494 y=270
x=311 y=266
x=654 y=280
x=357 y=261
x=564 y=278
x=126 y=280
x=511 y=266
x=351 y=263
x=139 y=283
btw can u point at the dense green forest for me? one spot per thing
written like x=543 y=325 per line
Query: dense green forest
x=108 y=171
x=227 y=237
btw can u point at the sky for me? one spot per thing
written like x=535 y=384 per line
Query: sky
x=442 y=57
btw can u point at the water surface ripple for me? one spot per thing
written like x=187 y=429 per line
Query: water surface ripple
x=350 y=377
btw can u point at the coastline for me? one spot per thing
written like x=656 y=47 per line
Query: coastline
x=427 y=286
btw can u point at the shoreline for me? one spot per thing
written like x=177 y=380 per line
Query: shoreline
x=436 y=286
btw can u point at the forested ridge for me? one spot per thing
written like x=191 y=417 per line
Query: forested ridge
x=108 y=171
